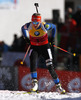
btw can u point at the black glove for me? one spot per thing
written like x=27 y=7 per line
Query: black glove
x=52 y=41
x=27 y=40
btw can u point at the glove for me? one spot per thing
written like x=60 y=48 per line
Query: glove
x=52 y=41
x=27 y=40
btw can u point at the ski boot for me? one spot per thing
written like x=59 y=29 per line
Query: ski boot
x=35 y=85
x=60 y=89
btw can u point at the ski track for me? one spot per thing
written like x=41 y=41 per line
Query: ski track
x=22 y=95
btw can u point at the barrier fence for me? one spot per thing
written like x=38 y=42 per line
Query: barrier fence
x=71 y=81
x=8 y=78
x=19 y=78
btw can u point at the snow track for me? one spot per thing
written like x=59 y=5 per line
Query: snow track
x=21 y=95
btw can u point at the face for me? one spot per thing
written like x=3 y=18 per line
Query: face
x=36 y=24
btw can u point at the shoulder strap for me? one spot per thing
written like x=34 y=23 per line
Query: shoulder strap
x=42 y=26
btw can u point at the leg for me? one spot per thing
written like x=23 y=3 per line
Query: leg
x=33 y=55
x=48 y=58
x=33 y=66
x=49 y=64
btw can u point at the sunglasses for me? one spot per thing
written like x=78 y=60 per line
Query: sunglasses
x=36 y=23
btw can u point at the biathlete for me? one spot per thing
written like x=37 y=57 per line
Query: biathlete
x=35 y=33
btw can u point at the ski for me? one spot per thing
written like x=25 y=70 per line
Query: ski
x=29 y=92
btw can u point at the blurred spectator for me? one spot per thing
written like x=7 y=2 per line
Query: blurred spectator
x=70 y=24
x=69 y=12
x=14 y=46
x=22 y=44
x=68 y=33
x=77 y=16
x=3 y=47
x=18 y=45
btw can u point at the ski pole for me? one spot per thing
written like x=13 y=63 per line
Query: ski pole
x=73 y=54
x=25 y=55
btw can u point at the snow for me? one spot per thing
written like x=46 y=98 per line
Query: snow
x=22 y=95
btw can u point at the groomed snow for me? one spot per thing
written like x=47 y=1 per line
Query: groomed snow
x=18 y=95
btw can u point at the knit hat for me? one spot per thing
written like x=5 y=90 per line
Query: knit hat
x=36 y=17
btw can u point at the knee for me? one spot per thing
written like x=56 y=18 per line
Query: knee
x=49 y=62
x=50 y=67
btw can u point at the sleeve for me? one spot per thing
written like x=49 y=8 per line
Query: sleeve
x=24 y=30
x=52 y=27
x=25 y=33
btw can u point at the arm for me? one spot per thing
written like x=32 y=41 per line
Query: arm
x=52 y=27
x=25 y=33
